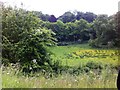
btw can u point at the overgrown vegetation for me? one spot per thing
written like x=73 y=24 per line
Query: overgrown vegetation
x=24 y=40
x=105 y=78
x=77 y=51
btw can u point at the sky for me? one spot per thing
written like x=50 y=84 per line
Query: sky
x=119 y=6
x=58 y=7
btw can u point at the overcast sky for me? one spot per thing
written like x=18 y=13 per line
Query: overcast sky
x=58 y=7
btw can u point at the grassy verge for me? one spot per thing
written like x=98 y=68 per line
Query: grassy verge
x=86 y=80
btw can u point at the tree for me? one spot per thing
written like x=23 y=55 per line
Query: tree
x=44 y=17
x=70 y=31
x=67 y=17
x=105 y=31
x=83 y=29
x=52 y=18
x=25 y=41
x=79 y=15
x=117 y=19
x=90 y=17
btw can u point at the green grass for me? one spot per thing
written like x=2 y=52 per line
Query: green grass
x=66 y=56
x=70 y=56
x=86 y=80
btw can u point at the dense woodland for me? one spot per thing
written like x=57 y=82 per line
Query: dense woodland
x=27 y=35
x=98 y=30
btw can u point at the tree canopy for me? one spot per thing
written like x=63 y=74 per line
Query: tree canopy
x=24 y=40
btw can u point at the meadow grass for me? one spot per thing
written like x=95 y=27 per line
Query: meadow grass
x=86 y=80
x=71 y=55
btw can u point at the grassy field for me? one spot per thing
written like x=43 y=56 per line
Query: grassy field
x=73 y=56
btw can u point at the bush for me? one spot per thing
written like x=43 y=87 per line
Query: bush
x=94 y=65
x=92 y=43
x=24 y=40
x=57 y=67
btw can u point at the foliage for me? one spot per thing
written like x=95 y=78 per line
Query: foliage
x=77 y=31
x=76 y=15
x=99 y=30
x=52 y=18
x=24 y=40
x=67 y=17
x=104 y=27
x=80 y=27
x=117 y=19
x=26 y=37
x=27 y=40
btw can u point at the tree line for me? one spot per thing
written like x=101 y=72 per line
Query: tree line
x=67 y=16
x=100 y=32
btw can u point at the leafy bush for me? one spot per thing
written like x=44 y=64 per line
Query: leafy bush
x=92 y=43
x=94 y=65
x=24 y=40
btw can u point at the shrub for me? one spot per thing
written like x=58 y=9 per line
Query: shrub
x=24 y=40
x=94 y=65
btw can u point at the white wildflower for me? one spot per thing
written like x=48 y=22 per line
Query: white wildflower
x=34 y=61
x=75 y=80
x=30 y=68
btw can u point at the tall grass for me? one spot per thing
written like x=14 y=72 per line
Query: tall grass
x=14 y=79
